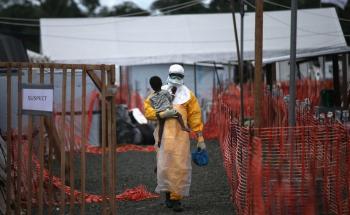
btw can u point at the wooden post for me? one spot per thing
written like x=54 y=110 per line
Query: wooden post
x=19 y=139
x=258 y=62
x=111 y=132
x=95 y=79
x=41 y=151
x=84 y=138
x=113 y=143
x=9 y=141
x=104 y=173
x=72 y=140
x=63 y=151
x=110 y=149
x=30 y=148
x=53 y=136
x=51 y=144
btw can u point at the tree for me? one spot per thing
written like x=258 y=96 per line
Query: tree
x=29 y=35
x=126 y=8
x=61 y=8
x=3 y=3
x=91 y=5
x=29 y=31
x=221 y=6
x=179 y=6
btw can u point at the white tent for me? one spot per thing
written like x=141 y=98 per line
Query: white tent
x=186 y=38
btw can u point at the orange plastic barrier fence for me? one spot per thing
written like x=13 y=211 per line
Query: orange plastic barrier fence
x=280 y=169
x=299 y=170
x=133 y=194
x=274 y=106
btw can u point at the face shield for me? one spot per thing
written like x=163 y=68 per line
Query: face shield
x=175 y=79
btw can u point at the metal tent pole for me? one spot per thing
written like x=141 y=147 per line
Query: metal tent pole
x=336 y=84
x=241 y=64
x=293 y=45
x=239 y=59
x=195 y=78
x=344 y=82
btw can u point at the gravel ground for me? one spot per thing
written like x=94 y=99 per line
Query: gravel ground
x=209 y=190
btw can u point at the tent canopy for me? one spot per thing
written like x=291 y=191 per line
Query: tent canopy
x=187 y=38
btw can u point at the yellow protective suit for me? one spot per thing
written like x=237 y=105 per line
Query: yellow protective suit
x=174 y=168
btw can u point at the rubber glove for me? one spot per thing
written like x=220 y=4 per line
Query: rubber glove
x=200 y=142
x=167 y=113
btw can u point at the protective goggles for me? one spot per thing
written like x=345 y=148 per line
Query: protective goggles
x=176 y=76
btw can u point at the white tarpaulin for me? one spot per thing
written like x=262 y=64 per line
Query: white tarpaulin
x=186 y=38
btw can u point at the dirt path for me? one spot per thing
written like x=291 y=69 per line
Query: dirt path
x=209 y=190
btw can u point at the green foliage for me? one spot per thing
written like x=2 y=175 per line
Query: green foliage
x=221 y=6
x=167 y=6
x=25 y=10
x=61 y=8
x=91 y=5
x=29 y=35
x=3 y=3
x=127 y=8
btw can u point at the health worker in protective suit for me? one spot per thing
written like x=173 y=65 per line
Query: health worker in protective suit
x=174 y=168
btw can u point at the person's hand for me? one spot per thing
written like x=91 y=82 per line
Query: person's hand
x=200 y=143
x=167 y=113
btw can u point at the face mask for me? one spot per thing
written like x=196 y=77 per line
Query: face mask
x=176 y=81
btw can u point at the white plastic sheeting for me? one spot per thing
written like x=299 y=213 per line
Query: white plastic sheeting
x=186 y=38
x=36 y=57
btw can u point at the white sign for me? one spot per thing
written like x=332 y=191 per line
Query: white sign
x=37 y=99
